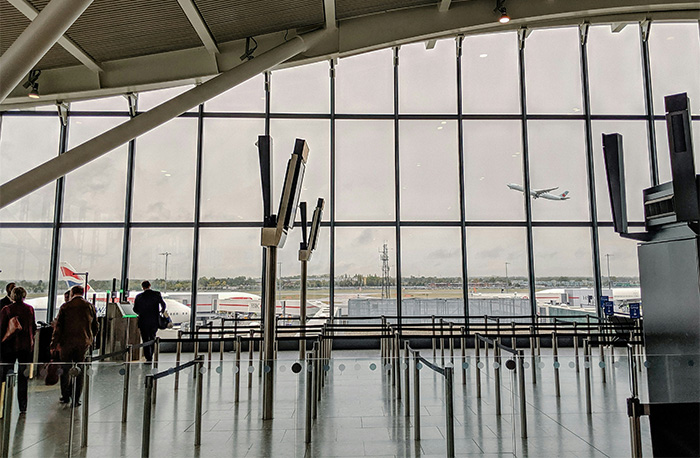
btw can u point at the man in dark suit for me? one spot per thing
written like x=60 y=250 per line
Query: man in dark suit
x=148 y=305
x=6 y=300
x=74 y=331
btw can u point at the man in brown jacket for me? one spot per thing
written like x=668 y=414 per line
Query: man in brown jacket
x=74 y=331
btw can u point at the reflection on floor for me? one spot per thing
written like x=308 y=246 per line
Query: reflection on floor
x=359 y=414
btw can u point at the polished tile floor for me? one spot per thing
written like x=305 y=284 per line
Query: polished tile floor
x=359 y=414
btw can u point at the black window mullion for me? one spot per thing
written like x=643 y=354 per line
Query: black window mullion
x=462 y=196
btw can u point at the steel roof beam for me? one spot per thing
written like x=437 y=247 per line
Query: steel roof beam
x=199 y=26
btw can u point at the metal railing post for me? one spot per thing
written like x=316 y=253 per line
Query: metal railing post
x=432 y=318
x=576 y=346
x=210 y=345
x=199 y=367
x=146 y=428
x=497 y=375
x=602 y=360
x=86 y=402
x=533 y=352
x=513 y=340
x=10 y=381
x=309 y=395
x=587 y=379
x=452 y=345
x=407 y=377
x=449 y=414
x=555 y=363
x=251 y=346
x=416 y=395
x=178 y=354
x=477 y=369
x=156 y=357
x=464 y=354
x=237 y=376
x=74 y=373
x=316 y=390
x=397 y=365
x=635 y=427
x=127 y=377
x=521 y=392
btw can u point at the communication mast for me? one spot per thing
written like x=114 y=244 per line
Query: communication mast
x=384 y=256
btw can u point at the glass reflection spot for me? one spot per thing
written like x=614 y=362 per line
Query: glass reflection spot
x=267 y=368
x=296 y=368
x=372 y=366
x=404 y=366
x=341 y=367
x=510 y=364
x=202 y=370
x=419 y=366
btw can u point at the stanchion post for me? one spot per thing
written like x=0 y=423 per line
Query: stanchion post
x=10 y=380
x=602 y=360
x=237 y=376
x=146 y=428
x=156 y=357
x=555 y=363
x=416 y=395
x=309 y=395
x=452 y=345
x=477 y=369
x=407 y=377
x=210 y=345
x=464 y=354
x=251 y=344
x=127 y=376
x=432 y=318
x=587 y=370
x=397 y=364
x=497 y=375
x=449 y=411
x=521 y=392
x=576 y=346
x=533 y=350
x=178 y=354
x=632 y=406
x=86 y=402
x=314 y=374
x=199 y=366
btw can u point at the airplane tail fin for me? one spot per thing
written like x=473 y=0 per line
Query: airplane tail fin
x=68 y=275
x=564 y=194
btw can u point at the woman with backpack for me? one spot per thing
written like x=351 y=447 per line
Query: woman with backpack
x=17 y=328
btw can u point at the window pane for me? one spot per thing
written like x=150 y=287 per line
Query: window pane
x=427 y=78
x=615 y=70
x=563 y=257
x=365 y=83
x=552 y=71
x=663 y=155
x=490 y=75
x=492 y=159
x=674 y=54
x=497 y=267
x=239 y=272
x=303 y=89
x=358 y=270
x=26 y=258
x=22 y=149
x=231 y=170
x=152 y=99
x=97 y=190
x=317 y=175
x=364 y=171
x=147 y=259
x=431 y=268
x=97 y=251
x=636 y=158
x=558 y=160
x=429 y=170
x=116 y=103
x=623 y=262
x=248 y=96
x=165 y=172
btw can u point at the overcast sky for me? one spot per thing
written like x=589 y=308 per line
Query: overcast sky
x=164 y=178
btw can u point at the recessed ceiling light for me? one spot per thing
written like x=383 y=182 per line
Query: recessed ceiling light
x=167 y=175
x=443 y=122
x=439 y=127
x=163 y=171
x=483 y=55
x=670 y=38
x=481 y=178
x=577 y=109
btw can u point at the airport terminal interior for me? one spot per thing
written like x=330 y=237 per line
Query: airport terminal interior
x=390 y=228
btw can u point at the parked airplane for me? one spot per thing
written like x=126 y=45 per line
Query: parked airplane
x=544 y=193
x=178 y=312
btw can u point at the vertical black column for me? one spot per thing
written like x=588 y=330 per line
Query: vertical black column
x=57 y=217
x=132 y=99
x=332 y=185
x=522 y=35
x=462 y=196
x=397 y=187
x=583 y=29
x=272 y=194
x=197 y=213
x=644 y=30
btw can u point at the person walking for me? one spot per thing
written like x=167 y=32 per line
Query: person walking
x=148 y=305
x=7 y=300
x=18 y=327
x=74 y=331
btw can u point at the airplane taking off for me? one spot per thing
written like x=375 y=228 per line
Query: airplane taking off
x=543 y=193
x=178 y=312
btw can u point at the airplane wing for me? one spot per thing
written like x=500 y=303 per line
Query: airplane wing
x=539 y=192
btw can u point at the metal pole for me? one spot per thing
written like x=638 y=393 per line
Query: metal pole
x=314 y=368
x=477 y=369
x=198 y=404
x=521 y=391
x=156 y=356
x=309 y=394
x=442 y=341
x=7 y=412
x=269 y=333
x=302 y=311
x=532 y=350
x=464 y=354
x=222 y=346
x=125 y=391
x=397 y=365
x=416 y=395
x=497 y=375
x=635 y=427
x=382 y=343
x=74 y=373
x=432 y=318
x=576 y=346
x=237 y=378
x=407 y=376
x=210 y=345
x=86 y=403
x=250 y=358
x=587 y=366
x=146 y=428
x=452 y=345
x=449 y=407
x=178 y=354
x=602 y=360
x=555 y=354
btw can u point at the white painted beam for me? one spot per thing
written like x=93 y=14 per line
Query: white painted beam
x=199 y=26
x=92 y=149
x=69 y=45
x=36 y=40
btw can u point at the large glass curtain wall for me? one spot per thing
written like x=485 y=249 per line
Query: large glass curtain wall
x=419 y=151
